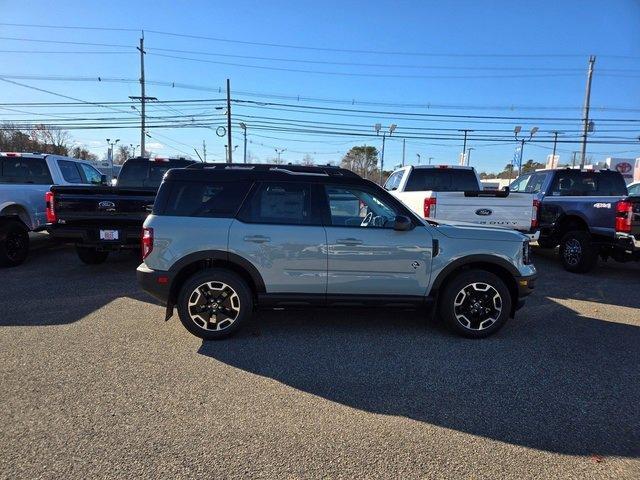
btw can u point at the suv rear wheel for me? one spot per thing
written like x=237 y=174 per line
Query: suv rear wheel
x=214 y=304
x=577 y=253
x=14 y=243
x=475 y=303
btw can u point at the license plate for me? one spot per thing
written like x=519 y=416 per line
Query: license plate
x=108 y=234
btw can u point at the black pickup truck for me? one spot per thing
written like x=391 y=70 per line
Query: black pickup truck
x=587 y=213
x=99 y=219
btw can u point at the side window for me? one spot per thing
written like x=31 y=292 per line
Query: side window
x=393 y=182
x=70 y=171
x=214 y=199
x=520 y=184
x=634 y=189
x=279 y=203
x=25 y=170
x=133 y=174
x=91 y=174
x=357 y=207
x=536 y=183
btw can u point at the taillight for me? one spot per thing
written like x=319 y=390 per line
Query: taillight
x=147 y=242
x=429 y=207
x=624 y=214
x=535 y=213
x=50 y=208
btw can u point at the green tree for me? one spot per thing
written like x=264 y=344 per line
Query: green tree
x=362 y=160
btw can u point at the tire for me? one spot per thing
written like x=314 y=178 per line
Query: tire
x=226 y=299
x=547 y=243
x=14 y=243
x=91 y=255
x=475 y=303
x=577 y=253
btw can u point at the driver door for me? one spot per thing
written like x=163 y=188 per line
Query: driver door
x=366 y=256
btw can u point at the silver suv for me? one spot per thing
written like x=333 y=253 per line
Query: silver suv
x=225 y=239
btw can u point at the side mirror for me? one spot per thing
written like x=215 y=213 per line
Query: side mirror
x=103 y=180
x=402 y=223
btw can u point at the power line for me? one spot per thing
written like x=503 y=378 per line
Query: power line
x=64 y=42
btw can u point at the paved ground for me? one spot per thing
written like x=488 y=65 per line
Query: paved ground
x=95 y=384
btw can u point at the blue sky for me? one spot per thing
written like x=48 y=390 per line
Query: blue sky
x=486 y=57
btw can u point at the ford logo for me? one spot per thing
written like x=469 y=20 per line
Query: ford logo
x=484 y=212
x=106 y=205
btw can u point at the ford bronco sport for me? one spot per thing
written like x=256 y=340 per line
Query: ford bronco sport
x=225 y=239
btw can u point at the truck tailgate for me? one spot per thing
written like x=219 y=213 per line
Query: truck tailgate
x=512 y=211
x=76 y=204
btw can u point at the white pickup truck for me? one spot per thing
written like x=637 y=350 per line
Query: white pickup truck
x=454 y=194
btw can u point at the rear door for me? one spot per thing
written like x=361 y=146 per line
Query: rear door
x=279 y=230
x=366 y=255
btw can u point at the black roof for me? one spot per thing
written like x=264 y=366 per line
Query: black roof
x=261 y=171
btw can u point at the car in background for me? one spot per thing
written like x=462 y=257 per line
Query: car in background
x=223 y=239
x=449 y=193
x=24 y=180
x=101 y=219
x=586 y=212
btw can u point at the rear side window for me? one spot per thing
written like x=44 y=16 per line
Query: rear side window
x=279 y=203
x=70 y=171
x=211 y=199
x=91 y=175
x=442 y=180
x=393 y=182
x=133 y=174
x=576 y=183
x=24 y=170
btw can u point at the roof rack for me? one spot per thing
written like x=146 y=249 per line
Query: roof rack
x=329 y=170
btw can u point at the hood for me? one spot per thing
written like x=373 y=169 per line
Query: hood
x=474 y=231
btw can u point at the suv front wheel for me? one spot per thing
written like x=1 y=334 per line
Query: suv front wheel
x=214 y=304
x=475 y=303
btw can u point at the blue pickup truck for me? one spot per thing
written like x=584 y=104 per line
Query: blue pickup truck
x=588 y=213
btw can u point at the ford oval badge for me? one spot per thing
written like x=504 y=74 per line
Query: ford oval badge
x=484 y=212
x=106 y=205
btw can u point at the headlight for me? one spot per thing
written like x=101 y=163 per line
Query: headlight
x=526 y=252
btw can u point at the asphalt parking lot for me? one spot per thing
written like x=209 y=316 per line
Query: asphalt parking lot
x=96 y=384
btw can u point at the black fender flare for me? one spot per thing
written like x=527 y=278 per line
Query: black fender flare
x=229 y=257
x=470 y=260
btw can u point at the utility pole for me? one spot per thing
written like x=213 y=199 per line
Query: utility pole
x=464 y=142
x=142 y=96
x=230 y=157
x=573 y=162
x=555 y=141
x=204 y=151
x=403 y=149
x=366 y=160
x=243 y=126
x=587 y=100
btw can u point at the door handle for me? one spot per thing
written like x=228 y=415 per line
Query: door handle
x=257 y=239
x=349 y=241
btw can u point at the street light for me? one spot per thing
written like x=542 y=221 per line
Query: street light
x=418 y=155
x=522 y=141
x=133 y=150
x=280 y=151
x=377 y=127
x=430 y=158
x=469 y=155
x=226 y=151
x=243 y=126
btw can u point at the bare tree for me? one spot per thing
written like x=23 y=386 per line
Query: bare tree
x=52 y=139
x=82 y=153
x=307 y=160
x=123 y=155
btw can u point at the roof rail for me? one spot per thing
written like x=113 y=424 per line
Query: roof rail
x=329 y=170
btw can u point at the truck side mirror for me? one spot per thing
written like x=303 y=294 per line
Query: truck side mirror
x=402 y=223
